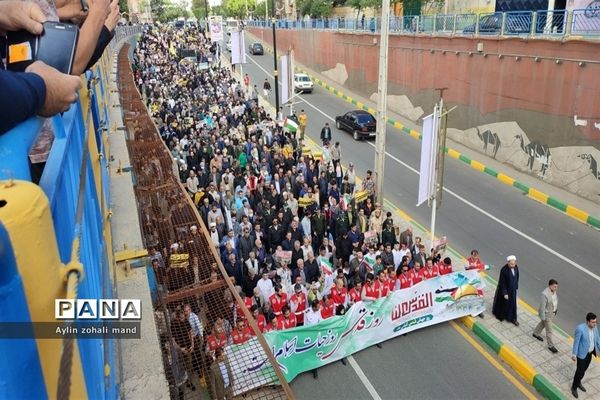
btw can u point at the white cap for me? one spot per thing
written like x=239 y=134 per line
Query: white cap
x=193 y=228
x=212 y=224
x=511 y=258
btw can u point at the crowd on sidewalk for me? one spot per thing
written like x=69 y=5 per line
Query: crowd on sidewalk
x=301 y=239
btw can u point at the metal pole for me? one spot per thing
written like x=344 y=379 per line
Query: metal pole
x=442 y=148
x=433 y=209
x=275 y=74
x=382 y=101
x=206 y=16
x=442 y=153
x=433 y=191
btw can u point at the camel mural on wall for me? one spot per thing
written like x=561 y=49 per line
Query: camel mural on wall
x=593 y=164
x=573 y=168
x=489 y=138
x=536 y=152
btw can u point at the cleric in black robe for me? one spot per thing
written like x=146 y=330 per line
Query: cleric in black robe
x=505 y=300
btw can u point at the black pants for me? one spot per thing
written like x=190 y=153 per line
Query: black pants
x=582 y=366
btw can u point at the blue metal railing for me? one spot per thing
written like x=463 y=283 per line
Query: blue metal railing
x=75 y=132
x=543 y=23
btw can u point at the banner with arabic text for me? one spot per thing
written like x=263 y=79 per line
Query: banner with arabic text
x=430 y=302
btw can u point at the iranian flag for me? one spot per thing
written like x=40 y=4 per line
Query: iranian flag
x=290 y=124
x=369 y=263
x=326 y=265
x=344 y=201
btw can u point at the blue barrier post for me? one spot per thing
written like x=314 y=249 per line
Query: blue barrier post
x=22 y=379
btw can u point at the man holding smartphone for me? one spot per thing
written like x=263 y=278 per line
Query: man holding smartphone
x=41 y=89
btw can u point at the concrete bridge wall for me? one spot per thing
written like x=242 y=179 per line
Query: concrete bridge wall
x=515 y=101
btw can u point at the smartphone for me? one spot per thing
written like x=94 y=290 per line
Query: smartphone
x=56 y=46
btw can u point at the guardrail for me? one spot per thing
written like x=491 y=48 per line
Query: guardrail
x=65 y=195
x=543 y=23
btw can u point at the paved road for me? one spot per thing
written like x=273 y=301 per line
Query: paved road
x=477 y=212
x=433 y=363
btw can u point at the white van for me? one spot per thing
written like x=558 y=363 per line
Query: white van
x=302 y=83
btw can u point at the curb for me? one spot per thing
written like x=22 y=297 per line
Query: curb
x=571 y=211
x=516 y=362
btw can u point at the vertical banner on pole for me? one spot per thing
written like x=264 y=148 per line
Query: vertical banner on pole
x=238 y=53
x=428 y=158
x=216 y=28
x=285 y=79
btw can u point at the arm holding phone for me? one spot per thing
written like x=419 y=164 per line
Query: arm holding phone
x=107 y=33
x=89 y=34
x=41 y=89
x=17 y=15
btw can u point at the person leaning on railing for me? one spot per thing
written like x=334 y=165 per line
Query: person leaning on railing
x=41 y=89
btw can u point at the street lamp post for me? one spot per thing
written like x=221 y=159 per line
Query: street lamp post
x=275 y=73
x=206 y=15
x=382 y=102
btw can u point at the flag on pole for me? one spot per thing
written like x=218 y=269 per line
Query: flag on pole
x=326 y=265
x=427 y=171
x=344 y=201
x=368 y=263
x=291 y=125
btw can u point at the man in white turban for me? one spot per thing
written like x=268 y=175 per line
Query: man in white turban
x=505 y=300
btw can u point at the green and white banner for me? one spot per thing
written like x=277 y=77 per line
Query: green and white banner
x=305 y=348
x=430 y=302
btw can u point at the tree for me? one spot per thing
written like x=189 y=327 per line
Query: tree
x=123 y=6
x=260 y=9
x=320 y=8
x=237 y=8
x=304 y=7
x=199 y=8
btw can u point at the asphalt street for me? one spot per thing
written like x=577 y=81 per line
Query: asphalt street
x=477 y=211
x=433 y=363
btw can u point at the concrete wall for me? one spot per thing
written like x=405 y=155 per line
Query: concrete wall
x=539 y=115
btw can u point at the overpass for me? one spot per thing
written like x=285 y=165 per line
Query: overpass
x=527 y=100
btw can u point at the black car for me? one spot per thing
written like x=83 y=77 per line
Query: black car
x=515 y=24
x=256 y=49
x=360 y=123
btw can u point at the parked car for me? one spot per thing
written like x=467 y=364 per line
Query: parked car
x=360 y=123
x=515 y=24
x=256 y=49
x=302 y=83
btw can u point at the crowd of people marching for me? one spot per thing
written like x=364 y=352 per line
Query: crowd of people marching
x=299 y=236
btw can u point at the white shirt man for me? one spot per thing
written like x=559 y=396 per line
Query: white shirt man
x=214 y=235
x=252 y=263
x=265 y=285
x=313 y=315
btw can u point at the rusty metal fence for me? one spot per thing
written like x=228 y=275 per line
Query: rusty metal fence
x=210 y=343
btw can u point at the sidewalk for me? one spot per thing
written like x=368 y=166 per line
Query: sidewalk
x=564 y=196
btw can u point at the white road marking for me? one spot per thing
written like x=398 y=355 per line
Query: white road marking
x=363 y=378
x=475 y=207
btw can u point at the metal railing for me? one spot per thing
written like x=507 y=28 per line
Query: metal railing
x=543 y=23
x=66 y=157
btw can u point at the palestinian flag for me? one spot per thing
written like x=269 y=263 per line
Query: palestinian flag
x=326 y=266
x=290 y=124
